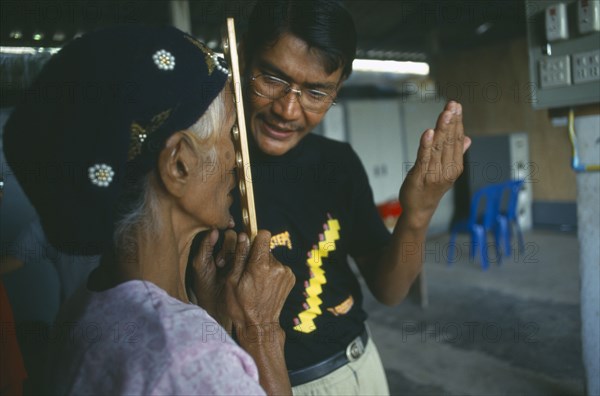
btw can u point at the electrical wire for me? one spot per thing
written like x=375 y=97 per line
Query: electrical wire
x=576 y=163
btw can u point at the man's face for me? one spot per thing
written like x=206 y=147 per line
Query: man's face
x=279 y=124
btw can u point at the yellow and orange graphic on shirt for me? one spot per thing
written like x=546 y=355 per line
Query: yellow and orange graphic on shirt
x=343 y=308
x=282 y=239
x=313 y=287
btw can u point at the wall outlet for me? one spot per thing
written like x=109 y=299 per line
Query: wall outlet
x=588 y=16
x=555 y=71
x=586 y=67
x=556 y=22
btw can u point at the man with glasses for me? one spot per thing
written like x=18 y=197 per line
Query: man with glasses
x=313 y=194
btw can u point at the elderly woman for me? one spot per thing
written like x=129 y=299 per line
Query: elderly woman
x=123 y=146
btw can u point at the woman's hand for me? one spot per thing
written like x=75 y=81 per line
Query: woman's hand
x=246 y=286
x=210 y=273
x=255 y=291
x=242 y=284
x=256 y=286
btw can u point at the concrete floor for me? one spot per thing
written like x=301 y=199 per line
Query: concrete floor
x=511 y=330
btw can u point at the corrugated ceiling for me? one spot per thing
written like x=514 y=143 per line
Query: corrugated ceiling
x=409 y=29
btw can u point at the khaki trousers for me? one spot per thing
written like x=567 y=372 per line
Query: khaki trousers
x=364 y=376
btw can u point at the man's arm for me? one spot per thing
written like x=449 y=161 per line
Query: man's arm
x=390 y=271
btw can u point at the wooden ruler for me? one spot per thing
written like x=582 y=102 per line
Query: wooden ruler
x=240 y=137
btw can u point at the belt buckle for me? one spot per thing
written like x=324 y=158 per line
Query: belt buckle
x=355 y=349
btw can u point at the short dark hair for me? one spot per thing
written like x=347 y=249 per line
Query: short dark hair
x=325 y=25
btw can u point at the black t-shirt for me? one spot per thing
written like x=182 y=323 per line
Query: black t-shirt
x=317 y=203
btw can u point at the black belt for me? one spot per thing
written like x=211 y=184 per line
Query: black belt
x=354 y=350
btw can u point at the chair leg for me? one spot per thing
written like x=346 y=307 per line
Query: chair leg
x=481 y=247
x=474 y=245
x=501 y=238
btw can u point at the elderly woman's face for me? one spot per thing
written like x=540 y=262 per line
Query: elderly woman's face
x=217 y=178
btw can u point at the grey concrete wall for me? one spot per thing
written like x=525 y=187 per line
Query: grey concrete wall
x=588 y=217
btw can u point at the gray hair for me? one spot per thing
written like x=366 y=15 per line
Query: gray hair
x=139 y=210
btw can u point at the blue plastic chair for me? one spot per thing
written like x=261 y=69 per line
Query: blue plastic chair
x=479 y=223
x=508 y=217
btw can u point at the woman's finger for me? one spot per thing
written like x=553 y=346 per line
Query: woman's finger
x=205 y=252
x=241 y=256
x=227 y=253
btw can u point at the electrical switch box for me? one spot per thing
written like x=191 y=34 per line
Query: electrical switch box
x=555 y=71
x=556 y=22
x=586 y=67
x=564 y=59
x=588 y=16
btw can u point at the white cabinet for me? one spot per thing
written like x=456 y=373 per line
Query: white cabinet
x=375 y=132
x=497 y=158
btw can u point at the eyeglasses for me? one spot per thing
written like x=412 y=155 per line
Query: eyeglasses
x=273 y=88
